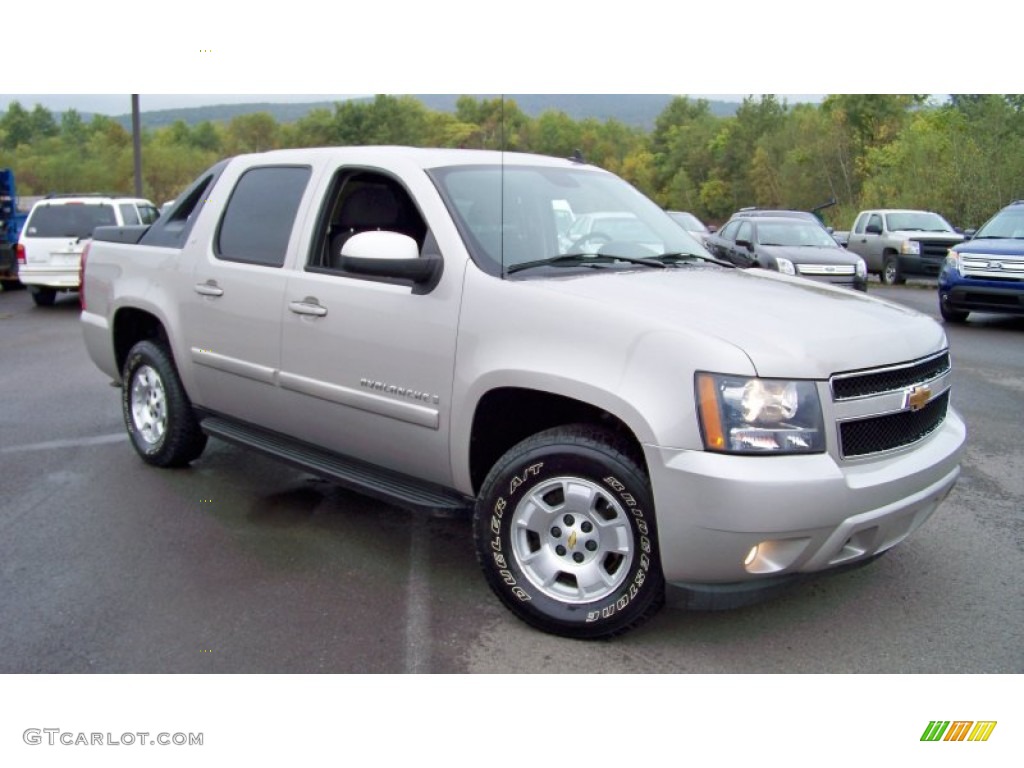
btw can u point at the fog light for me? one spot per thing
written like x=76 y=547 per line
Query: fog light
x=751 y=555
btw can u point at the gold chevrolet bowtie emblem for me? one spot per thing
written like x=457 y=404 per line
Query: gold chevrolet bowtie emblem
x=918 y=397
x=572 y=540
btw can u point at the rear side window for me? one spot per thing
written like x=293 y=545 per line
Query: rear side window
x=129 y=214
x=68 y=219
x=260 y=215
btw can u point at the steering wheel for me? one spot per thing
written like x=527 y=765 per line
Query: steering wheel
x=597 y=238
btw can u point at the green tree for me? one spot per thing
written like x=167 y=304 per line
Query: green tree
x=256 y=132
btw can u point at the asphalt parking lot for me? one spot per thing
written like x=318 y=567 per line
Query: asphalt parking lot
x=240 y=564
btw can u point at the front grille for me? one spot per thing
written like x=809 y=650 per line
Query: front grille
x=935 y=250
x=993 y=298
x=848 y=386
x=884 y=433
x=825 y=269
x=993 y=267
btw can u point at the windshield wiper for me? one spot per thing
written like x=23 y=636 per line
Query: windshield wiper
x=571 y=259
x=675 y=258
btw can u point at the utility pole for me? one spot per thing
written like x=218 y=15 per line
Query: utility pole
x=137 y=144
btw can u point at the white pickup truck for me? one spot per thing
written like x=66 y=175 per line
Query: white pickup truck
x=625 y=416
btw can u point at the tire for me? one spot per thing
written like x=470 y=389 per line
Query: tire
x=565 y=533
x=891 y=272
x=951 y=315
x=157 y=412
x=43 y=297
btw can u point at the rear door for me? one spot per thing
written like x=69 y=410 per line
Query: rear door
x=54 y=237
x=237 y=291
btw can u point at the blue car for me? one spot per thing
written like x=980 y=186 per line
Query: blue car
x=986 y=272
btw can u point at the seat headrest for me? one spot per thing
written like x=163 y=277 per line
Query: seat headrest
x=369 y=207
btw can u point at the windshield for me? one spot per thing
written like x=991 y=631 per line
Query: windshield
x=917 y=220
x=516 y=214
x=794 y=233
x=1005 y=224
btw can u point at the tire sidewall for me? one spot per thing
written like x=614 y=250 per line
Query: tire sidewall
x=511 y=482
x=890 y=271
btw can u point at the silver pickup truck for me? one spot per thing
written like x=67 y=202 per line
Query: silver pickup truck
x=626 y=417
x=898 y=243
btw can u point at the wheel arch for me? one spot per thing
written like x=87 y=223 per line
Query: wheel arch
x=132 y=325
x=507 y=415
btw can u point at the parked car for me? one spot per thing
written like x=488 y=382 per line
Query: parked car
x=590 y=231
x=53 y=237
x=692 y=224
x=793 y=246
x=986 y=273
x=899 y=243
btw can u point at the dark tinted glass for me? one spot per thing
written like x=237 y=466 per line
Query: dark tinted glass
x=68 y=219
x=260 y=215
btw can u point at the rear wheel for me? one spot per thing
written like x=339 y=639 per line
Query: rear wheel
x=157 y=412
x=565 y=533
x=43 y=297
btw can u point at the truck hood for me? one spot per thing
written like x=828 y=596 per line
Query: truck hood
x=788 y=327
x=938 y=237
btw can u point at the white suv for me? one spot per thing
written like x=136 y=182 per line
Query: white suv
x=51 y=242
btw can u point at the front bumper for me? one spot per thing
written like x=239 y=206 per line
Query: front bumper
x=1000 y=296
x=804 y=514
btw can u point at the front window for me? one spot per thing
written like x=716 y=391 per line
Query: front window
x=515 y=214
x=917 y=221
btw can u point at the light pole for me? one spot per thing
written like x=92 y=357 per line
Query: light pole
x=137 y=144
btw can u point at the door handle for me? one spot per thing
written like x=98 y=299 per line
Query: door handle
x=209 y=288
x=308 y=306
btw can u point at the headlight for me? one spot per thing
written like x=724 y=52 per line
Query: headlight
x=862 y=269
x=759 y=416
x=785 y=266
x=911 y=247
x=953 y=261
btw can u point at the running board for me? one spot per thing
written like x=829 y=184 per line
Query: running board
x=392 y=487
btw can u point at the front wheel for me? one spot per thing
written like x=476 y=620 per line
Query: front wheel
x=565 y=533
x=951 y=315
x=891 y=274
x=157 y=412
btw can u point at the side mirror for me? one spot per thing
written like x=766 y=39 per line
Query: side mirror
x=873 y=229
x=388 y=254
x=969 y=233
x=745 y=244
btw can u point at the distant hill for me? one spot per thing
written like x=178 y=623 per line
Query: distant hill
x=639 y=110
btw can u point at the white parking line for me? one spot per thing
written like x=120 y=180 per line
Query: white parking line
x=417 y=616
x=79 y=442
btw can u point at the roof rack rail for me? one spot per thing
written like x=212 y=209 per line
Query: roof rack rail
x=57 y=195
